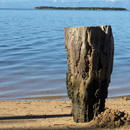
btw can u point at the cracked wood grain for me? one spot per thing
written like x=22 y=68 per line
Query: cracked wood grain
x=90 y=53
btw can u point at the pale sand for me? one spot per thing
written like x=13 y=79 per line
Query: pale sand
x=47 y=115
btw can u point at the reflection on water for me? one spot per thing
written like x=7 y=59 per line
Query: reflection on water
x=33 y=57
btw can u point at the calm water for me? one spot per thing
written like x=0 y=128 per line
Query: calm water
x=33 y=57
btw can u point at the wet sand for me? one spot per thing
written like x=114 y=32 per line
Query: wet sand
x=49 y=115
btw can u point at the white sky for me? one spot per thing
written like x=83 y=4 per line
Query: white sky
x=89 y=3
x=6 y=1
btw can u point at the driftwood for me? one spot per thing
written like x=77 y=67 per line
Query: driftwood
x=90 y=63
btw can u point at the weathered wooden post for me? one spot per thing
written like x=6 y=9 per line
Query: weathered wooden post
x=90 y=62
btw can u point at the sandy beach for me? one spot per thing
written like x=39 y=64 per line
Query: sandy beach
x=49 y=115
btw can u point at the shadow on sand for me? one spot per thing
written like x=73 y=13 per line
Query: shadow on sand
x=34 y=117
x=9 y=119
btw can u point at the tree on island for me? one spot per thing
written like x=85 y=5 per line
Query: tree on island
x=79 y=8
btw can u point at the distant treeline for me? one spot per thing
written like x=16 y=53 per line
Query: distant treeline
x=79 y=8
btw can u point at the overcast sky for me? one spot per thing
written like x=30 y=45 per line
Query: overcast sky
x=90 y=3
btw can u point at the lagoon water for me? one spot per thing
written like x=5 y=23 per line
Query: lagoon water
x=33 y=56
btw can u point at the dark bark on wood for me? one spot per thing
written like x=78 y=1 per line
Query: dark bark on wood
x=90 y=63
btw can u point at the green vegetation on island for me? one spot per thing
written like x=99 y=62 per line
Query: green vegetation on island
x=78 y=8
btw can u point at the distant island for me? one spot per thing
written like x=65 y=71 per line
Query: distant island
x=78 y=8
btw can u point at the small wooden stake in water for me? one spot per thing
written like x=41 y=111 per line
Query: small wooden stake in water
x=90 y=62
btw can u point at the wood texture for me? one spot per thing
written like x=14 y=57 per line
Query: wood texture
x=90 y=61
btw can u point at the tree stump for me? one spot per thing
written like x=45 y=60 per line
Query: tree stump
x=90 y=62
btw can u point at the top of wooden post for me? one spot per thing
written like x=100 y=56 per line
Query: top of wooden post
x=89 y=26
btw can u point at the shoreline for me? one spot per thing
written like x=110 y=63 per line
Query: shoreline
x=61 y=97
x=127 y=97
x=66 y=98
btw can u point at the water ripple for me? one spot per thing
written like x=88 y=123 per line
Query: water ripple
x=33 y=56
